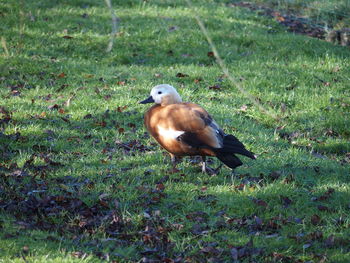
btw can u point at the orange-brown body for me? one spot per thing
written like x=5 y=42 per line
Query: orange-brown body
x=186 y=117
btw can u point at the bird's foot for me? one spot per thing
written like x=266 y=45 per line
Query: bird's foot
x=233 y=176
x=174 y=161
x=211 y=171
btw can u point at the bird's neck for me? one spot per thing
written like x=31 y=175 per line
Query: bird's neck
x=167 y=100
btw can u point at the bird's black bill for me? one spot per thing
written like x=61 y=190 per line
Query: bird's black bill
x=148 y=100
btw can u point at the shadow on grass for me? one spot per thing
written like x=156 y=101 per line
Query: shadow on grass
x=91 y=195
x=202 y=212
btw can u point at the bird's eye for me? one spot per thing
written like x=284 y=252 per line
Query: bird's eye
x=159 y=92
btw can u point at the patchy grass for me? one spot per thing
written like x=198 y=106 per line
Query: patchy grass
x=330 y=13
x=82 y=181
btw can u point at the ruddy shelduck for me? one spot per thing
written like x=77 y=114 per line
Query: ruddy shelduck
x=186 y=129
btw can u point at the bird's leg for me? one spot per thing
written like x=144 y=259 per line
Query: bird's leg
x=206 y=169
x=174 y=162
x=204 y=165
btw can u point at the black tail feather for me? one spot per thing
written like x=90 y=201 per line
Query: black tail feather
x=231 y=146
x=229 y=159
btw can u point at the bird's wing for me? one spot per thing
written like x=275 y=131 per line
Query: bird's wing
x=192 y=125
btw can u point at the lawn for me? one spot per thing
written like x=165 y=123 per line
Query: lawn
x=81 y=180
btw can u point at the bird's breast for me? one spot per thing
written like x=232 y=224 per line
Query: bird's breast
x=168 y=133
x=168 y=138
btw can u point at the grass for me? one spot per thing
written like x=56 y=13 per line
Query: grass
x=332 y=13
x=82 y=181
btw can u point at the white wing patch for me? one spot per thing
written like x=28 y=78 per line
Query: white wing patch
x=169 y=133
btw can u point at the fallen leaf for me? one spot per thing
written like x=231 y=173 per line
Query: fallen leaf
x=197 y=216
x=210 y=54
x=323 y=208
x=88 y=76
x=315 y=220
x=260 y=202
x=199 y=229
x=173 y=28
x=65 y=119
x=286 y=201
x=215 y=87
x=88 y=116
x=325 y=196
x=53 y=107
x=121 y=108
x=329 y=242
x=203 y=189
x=107 y=97
x=240 y=187
x=234 y=253
x=258 y=221
x=15 y=93
x=181 y=75
x=160 y=187
x=306 y=246
x=63 y=86
x=280 y=18
x=173 y=170
x=61 y=75
x=211 y=250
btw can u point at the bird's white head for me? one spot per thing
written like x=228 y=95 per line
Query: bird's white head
x=163 y=94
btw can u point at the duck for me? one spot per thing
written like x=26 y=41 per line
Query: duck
x=186 y=129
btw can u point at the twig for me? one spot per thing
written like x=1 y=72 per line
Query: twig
x=114 y=26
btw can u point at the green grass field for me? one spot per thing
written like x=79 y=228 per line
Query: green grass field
x=81 y=181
